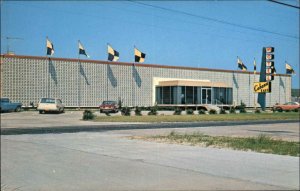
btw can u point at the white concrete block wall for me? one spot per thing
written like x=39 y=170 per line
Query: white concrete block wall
x=29 y=79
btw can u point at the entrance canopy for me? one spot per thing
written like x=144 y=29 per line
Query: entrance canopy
x=193 y=83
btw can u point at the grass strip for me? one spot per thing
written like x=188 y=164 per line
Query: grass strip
x=198 y=118
x=261 y=143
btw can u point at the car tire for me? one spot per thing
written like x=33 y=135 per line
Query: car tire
x=101 y=111
x=279 y=109
x=18 y=109
x=40 y=111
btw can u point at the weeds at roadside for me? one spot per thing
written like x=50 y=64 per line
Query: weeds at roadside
x=262 y=143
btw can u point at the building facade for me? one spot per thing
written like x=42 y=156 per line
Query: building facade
x=86 y=83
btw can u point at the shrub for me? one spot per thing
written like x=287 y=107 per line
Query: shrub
x=88 y=115
x=243 y=111
x=222 y=111
x=177 y=111
x=120 y=102
x=153 y=110
x=212 y=111
x=242 y=107
x=125 y=111
x=201 y=112
x=138 y=111
x=232 y=110
x=190 y=111
x=257 y=111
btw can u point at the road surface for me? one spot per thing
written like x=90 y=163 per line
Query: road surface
x=109 y=160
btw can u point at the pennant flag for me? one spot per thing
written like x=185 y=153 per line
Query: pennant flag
x=50 y=47
x=289 y=69
x=254 y=63
x=241 y=65
x=82 y=50
x=113 y=55
x=139 y=56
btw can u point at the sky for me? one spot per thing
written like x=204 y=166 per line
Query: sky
x=205 y=34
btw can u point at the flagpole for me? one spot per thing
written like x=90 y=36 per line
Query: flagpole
x=237 y=91
x=78 y=81
x=48 y=58
x=107 y=66
x=253 y=84
x=285 y=85
x=133 y=87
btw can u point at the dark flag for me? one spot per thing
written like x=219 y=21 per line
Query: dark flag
x=50 y=48
x=82 y=50
x=113 y=55
x=139 y=56
x=289 y=69
x=241 y=65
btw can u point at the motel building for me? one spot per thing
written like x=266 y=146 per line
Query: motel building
x=86 y=83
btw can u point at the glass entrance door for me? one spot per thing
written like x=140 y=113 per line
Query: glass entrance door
x=206 y=95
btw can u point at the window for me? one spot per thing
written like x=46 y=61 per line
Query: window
x=189 y=95
x=193 y=95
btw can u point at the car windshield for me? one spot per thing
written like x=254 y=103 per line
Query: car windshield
x=47 y=100
x=109 y=102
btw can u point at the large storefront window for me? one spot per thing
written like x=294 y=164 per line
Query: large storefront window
x=193 y=95
x=223 y=95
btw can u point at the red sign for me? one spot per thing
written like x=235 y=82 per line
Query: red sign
x=268 y=70
x=269 y=63
x=269 y=56
x=270 y=49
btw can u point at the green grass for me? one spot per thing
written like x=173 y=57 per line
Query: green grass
x=261 y=143
x=198 y=118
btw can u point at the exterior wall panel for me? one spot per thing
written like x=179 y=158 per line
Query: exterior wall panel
x=27 y=78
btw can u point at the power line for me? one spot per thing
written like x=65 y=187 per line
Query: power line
x=285 y=4
x=214 y=20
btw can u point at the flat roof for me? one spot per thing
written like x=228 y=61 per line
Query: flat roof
x=129 y=64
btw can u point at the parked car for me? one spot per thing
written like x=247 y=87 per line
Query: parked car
x=286 y=106
x=50 y=105
x=7 y=105
x=109 y=106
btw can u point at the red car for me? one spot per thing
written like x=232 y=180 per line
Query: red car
x=286 y=106
x=109 y=106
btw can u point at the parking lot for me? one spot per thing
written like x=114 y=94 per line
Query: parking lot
x=32 y=119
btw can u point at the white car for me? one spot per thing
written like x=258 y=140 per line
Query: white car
x=50 y=105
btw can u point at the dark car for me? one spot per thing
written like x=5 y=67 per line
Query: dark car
x=109 y=106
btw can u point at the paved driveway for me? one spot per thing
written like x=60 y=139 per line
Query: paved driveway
x=72 y=120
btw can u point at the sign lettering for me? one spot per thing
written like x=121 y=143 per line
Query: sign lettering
x=262 y=87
